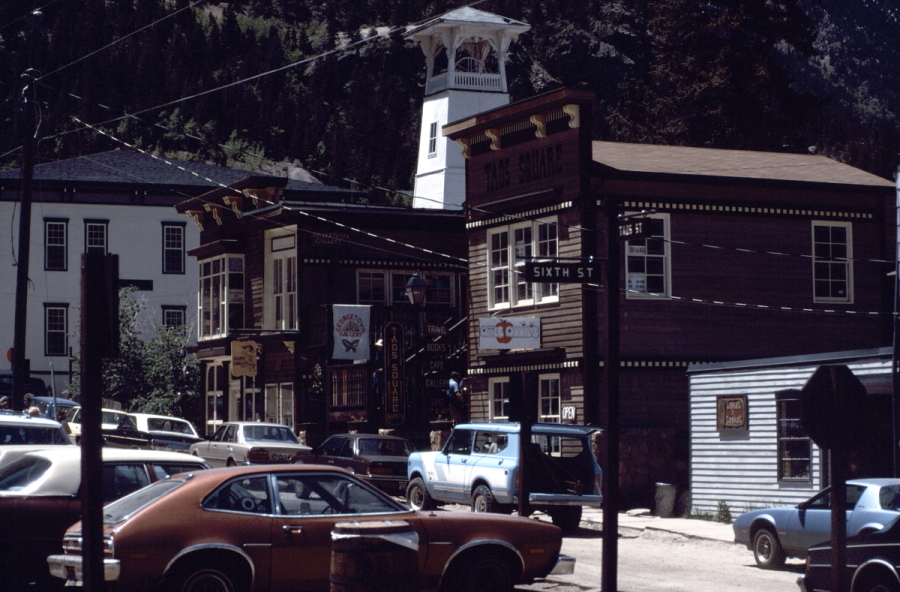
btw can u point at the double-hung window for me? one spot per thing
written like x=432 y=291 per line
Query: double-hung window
x=509 y=248
x=832 y=261
x=56 y=325
x=55 y=244
x=432 y=139
x=95 y=236
x=549 y=398
x=794 y=448
x=389 y=287
x=221 y=299
x=282 y=282
x=173 y=247
x=498 y=391
x=174 y=317
x=370 y=287
x=647 y=261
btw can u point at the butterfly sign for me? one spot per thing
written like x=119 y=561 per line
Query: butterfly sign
x=350 y=326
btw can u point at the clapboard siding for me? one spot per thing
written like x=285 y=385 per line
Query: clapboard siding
x=740 y=467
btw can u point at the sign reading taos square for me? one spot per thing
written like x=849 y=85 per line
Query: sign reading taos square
x=509 y=333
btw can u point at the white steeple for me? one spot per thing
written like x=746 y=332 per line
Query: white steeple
x=465 y=51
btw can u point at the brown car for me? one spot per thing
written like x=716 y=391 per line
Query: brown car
x=380 y=460
x=270 y=528
x=40 y=498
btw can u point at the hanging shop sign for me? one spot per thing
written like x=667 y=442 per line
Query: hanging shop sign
x=394 y=377
x=243 y=358
x=509 y=333
x=351 y=331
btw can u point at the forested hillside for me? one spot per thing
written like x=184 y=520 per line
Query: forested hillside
x=335 y=88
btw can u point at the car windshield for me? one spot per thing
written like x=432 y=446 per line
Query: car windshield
x=269 y=434
x=119 y=510
x=23 y=473
x=383 y=447
x=25 y=434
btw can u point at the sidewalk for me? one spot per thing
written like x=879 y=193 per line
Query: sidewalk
x=636 y=520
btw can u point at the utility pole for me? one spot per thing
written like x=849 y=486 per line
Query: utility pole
x=20 y=367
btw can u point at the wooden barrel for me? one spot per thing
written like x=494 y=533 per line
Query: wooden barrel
x=363 y=560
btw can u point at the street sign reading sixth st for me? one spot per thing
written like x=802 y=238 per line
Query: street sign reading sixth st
x=573 y=273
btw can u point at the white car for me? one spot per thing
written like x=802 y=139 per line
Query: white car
x=17 y=429
x=152 y=432
x=249 y=443
x=109 y=421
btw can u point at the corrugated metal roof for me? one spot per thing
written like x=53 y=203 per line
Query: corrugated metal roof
x=736 y=164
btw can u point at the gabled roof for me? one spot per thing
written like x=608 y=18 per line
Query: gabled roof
x=129 y=167
x=735 y=164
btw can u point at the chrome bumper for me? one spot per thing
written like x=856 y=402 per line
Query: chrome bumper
x=802 y=583
x=565 y=564
x=68 y=567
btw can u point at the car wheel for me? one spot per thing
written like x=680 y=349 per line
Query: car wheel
x=877 y=580
x=767 y=550
x=209 y=579
x=417 y=495
x=567 y=518
x=483 y=500
x=488 y=573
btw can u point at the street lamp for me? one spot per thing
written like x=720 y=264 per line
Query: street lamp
x=415 y=289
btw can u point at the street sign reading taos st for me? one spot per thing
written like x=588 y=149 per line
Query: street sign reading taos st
x=573 y=273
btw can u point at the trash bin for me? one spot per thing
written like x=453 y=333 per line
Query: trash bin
x=665 y=500
x=374 y=556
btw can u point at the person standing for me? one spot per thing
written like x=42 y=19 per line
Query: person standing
x=455 y=391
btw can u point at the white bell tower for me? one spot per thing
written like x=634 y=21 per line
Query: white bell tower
x=465 y=51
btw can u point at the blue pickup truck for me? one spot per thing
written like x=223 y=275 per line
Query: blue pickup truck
x=480 y=466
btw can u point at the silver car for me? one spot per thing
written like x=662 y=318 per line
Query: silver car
x=249 y=443
x=774 y=534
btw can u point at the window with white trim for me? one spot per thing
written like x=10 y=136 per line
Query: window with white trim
x=280 y=403
x=56 y=328
x=174 y=317
x=55 y=244
x=498 y=392
x=832 y=245
x=548 y=398
x=432 y=139
x=794 y=447
x=173 y=247
x=509 y=247
x=95 y=236
x=221 y=298
x=648 y=261
x=281 y=283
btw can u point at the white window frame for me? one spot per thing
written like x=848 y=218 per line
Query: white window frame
x=508 y=248
x=549 y=391
x=432 y=139
x=826 y=261
x=498 y=397
x=280 y=403
x=395 y=286
x=281 y=283
x=219 y=294
x=96 y=236
x=636 y=278
x=173 y=242
x=174 y=316
x=56 y=236
x=56 y=323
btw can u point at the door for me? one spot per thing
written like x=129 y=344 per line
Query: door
x=309 y=505
x=452 y=467
x=811 y=522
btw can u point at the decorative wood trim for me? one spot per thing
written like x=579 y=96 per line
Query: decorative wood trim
x=466 y=144
x=215 y=211
x=235 y=201
x=733 y=209
x=198 y=217
x=509 y=219
x=494 y=135
x=574 y=113
x=540 y=122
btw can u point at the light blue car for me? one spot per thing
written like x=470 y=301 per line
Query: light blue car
x=480 y=466
x=774 y=534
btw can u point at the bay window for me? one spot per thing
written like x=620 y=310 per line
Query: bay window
x=221 y=298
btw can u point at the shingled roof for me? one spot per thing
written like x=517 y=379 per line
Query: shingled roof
x=735 y=164
x=129 y=167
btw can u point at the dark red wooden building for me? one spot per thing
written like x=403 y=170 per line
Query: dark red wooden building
x=749 y=255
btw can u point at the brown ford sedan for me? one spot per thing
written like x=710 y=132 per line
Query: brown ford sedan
x=270 y=528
